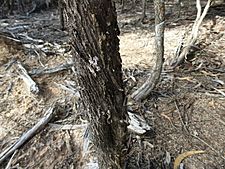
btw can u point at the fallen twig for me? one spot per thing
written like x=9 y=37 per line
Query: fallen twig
x=221 y=121
x=10 y=161
x=38 y=72
x=32 y=86
x=55 y=127
x=70 y=89
x=28 y=39
x=10 y=40
x=9 y=64
x=195 y=135
x=180 y=117
x=212 y=148
x=220 y=91
x=28 y=135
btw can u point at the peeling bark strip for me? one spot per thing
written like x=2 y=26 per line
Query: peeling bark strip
x=154 y=77
x=94 y=33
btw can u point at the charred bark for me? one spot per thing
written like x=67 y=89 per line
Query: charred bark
x=94 y=33
x=153 y=79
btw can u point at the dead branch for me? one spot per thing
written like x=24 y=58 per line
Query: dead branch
x=10 y=40
x=70 y=89
x=194 y=33
x=28 y=135
x=219 y=91
x=32 y=86
x=211 y=147
x=28 y=39
x=195 y=135
x=38 y=72
x=10 y=161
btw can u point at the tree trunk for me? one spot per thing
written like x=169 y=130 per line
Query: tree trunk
x=153 y=79
x=94 y=33
x=194 y=33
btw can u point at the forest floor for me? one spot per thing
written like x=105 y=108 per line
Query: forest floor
x=186 y=109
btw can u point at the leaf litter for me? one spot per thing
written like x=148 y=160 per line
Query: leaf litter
x=186 y=109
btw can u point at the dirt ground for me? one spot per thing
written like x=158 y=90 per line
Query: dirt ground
x=186 y=109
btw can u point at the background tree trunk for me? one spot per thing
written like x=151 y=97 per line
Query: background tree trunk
x=191 y=41
x=94 y=31
x=153 y=79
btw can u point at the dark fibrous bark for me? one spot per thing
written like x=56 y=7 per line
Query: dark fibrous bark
x=94 y=31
